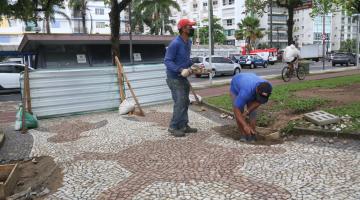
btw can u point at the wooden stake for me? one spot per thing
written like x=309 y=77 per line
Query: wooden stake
x=120 y=79
x=27 y=89
x=130 y=88
x=23 y=98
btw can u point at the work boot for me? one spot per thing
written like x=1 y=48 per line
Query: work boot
x=176 y=132
x=188 y=129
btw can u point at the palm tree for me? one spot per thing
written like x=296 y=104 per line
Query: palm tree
x=80 y=5
x=49 y=8
x=249 y=30
x=219 y=36
x=156 y=13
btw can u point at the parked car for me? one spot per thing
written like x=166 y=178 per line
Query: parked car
x=10 y=75
x=235 y=57
x=344 y=59
x=220 y=65
x=252 y=61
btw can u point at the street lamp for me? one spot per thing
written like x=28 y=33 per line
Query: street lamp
x=357 y=38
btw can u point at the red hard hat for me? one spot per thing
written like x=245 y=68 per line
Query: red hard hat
x=185 y=22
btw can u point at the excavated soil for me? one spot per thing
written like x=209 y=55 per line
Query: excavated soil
x=231 y=131
x=338 y=96
x=38 y=173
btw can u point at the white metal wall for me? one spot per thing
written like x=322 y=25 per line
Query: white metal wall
x=70 y=91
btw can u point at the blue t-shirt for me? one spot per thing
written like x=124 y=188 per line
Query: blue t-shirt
x=177 y=57
x=243 y=87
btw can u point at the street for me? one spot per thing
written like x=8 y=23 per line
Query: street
x=271 y=70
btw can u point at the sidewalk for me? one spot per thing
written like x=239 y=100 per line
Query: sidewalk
x=220 y=90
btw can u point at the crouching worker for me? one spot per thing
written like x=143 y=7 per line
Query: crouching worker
x=248 y=89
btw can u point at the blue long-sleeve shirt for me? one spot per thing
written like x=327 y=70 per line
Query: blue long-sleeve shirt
x=243 y=87
x=177 y=57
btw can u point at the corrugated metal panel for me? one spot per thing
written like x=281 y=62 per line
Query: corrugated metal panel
x=67 y=91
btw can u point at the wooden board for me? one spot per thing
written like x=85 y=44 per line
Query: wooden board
x=10 y=174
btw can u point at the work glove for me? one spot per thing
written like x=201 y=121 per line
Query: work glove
x=186 y=72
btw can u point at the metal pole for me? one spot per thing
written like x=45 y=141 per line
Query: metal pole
x=130 y=36
x=358 y=40
x=323 y=38
x=271 y=26
x=211 y=20
x=210 y=39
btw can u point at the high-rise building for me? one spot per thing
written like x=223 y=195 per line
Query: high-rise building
x=338 y=27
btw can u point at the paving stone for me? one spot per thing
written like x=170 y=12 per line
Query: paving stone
x=321 y=118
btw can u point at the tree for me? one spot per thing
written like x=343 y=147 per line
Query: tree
x=23 y=9
x=155 y=14
x=249 y=30
x=322 y=7
x=219 y=36
x=80 y=5
x=49 y=9
x=350 y=6
x=348 y=46
x=259 y=7
x=114 y=15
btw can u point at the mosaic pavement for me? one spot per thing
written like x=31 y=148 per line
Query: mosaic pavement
x=105 y=156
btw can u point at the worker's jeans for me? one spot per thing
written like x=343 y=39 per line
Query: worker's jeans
x=180 y=89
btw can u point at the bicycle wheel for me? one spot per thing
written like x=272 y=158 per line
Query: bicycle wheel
x=300 y=73
x=285 y=74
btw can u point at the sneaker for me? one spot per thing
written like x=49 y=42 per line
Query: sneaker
x=176 y=132
x=188 y=129
x=244 y=138
x=252 y=138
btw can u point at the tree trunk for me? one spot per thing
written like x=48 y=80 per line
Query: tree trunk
x=83 y=18
x=290 y=24
x=115 y=29
x=47 y=23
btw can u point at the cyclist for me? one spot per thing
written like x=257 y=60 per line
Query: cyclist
x=291 y=56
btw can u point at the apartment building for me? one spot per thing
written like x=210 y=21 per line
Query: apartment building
x=338 y=27
x=230 y=13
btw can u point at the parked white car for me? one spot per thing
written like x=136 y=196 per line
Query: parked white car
x=10 y=75
x=220 y=65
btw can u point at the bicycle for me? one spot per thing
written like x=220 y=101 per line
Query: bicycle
x=299 y=71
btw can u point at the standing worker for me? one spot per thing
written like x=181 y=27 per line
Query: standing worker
x=248 y=89
x=178 y=63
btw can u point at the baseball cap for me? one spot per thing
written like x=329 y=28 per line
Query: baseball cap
x=185 y=22
x=263 y=92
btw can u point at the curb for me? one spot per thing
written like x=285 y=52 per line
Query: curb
x=218 y=109
x=325 y=133
x=226 y=82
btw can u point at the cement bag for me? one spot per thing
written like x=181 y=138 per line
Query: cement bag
x=126 y=106
x=192 y=98
x=30 y=120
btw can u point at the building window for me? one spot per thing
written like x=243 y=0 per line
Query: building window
x=302 y=27
x=55 y=24
x=195 y=5
x=99 y=11
x=215 y=2
x=229 y=32
x=231 y=2
x=204 y=4
x=224 y=2
x=100 y=24
x=229 y=22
